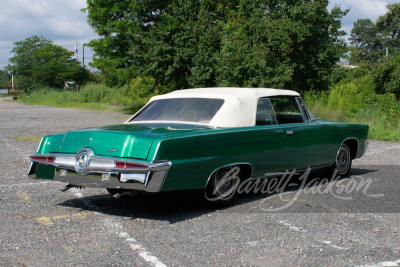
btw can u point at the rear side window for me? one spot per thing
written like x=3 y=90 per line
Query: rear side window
x=265 y=114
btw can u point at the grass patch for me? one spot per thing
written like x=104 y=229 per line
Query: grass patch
x=35 y=139
x=352 y=99
x=90 y=97
x=356 y=102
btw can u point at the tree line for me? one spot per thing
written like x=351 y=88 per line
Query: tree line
x=158 y=46
x=178 y=44
x=371 y=41
x=375 y=47
x=37 y=62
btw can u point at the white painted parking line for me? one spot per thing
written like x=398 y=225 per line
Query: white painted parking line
x=253 y=243
x=375 y=215
x=292 y=227
x=299 y=229
x=329 y=243
x=383 y=264
x=25 y=184
x=117 y=228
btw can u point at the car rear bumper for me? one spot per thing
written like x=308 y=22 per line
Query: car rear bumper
x=102 y=174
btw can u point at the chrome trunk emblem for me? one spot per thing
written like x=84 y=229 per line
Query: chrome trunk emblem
x=82 y=161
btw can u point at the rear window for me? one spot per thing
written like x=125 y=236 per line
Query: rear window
x=200 y=110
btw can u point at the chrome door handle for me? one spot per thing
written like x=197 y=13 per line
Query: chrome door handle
x=289 y=132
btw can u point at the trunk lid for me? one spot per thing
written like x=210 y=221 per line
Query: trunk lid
x=125 y=141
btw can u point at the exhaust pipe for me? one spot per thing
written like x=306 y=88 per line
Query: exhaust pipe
x=66 y=187
x=123 y=193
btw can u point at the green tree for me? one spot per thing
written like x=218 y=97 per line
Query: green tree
x=181 y=44
x=366 y=43
x=5 y=79
x=386 y=76
x=114 y=21
x=180 y=47
x=37 y=62
x=281 y=44
x=389 y=28
x=370 y=42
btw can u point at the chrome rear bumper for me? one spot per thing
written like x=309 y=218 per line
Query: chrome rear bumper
x=102 y=173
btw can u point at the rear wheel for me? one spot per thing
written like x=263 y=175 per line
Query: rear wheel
x=221 y=190
x=342 y=163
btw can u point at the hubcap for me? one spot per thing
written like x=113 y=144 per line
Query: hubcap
x=343 y=160
x=225 y=183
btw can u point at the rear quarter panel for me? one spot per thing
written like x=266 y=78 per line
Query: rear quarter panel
x=338 y=132
x=195 y=157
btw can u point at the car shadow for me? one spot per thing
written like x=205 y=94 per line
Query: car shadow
x=172 y=207
x=301 y=182
x=180 y=206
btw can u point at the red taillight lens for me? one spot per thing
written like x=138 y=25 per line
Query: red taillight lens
x=44 y=159
x=120 y=165
x=135 y=166
x=123 y=165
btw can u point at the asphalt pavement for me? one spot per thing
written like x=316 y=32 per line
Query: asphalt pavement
x=311 y=221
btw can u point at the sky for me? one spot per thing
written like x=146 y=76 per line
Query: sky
x=63 y=23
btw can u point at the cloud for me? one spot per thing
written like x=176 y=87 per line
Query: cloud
x=52 y=19
x=58 y=20
x=361 y=9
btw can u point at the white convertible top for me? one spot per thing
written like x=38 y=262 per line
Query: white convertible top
x=239 y=108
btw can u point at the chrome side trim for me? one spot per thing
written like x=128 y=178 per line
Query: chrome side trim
x=272 y=175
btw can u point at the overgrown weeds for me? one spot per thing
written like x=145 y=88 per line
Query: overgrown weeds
x=353 y=98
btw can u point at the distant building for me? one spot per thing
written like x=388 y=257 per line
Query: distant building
x=346 y=65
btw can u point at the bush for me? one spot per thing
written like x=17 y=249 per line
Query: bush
x=93 y=92
x=386 y=76
x=141 y=87
x=354 y=99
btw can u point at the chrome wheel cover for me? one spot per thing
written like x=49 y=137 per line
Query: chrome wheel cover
x=226 y=182
x=343 y=160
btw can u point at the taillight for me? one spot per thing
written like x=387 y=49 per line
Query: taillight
x=120 y=165
x=134 y=166
x=123 y=165
x=44 y=159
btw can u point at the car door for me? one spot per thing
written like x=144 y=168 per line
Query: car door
x=304 y=137
x=268 y=158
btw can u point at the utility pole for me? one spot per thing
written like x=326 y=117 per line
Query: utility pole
x=83 y=59
x=76 y=49
x=12 y=75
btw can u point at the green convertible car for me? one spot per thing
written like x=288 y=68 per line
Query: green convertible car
x=210 y=139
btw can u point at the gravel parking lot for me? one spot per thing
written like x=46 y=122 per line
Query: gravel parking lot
x=351 y=222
